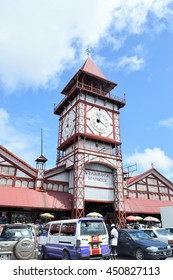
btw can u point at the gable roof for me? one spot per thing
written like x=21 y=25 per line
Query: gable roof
x=131 y=181
x=16 y=161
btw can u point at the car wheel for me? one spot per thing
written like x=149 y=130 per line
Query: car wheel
x=24 y=249
x=139 y=254
x=65 y=255
x=43 y=253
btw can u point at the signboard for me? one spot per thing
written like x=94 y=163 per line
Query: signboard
x=98 y=178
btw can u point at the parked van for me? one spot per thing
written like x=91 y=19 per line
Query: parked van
x=84 y=238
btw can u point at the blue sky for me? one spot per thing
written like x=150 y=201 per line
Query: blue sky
x=42 y=45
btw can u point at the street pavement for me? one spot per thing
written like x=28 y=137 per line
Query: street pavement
x=128 y=258
x=117 y=258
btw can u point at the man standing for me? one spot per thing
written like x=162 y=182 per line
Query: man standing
x=113 y=241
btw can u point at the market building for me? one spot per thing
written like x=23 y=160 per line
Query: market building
x=89 y=174
x=147 y=192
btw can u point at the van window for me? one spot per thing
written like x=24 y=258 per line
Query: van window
x=46 y=228
x=55 y=228
x=68 y=229
x=92 y=228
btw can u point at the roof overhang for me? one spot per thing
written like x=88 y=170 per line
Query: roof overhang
x=145 y=206
x=29 y=198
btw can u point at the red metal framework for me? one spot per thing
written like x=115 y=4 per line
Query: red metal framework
x=79 y=166
x=59 y=141
x=90 y=82
x=119 y=205
x=78 y=187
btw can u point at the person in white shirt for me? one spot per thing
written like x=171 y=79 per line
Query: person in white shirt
x=113 y=241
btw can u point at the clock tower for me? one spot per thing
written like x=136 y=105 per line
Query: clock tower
x=89 y=144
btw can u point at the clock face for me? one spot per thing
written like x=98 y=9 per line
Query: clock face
x=100 y=121
x=67 y=125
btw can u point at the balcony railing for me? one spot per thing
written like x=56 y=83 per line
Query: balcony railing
x=100 y=92
x=92 y=90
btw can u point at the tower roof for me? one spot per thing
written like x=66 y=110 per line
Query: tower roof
x=41 y=159
x=91 y=68
x=93 y=71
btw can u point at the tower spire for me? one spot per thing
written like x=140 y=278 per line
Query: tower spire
x=40 y=166
x=40 y=162
x=41 y=141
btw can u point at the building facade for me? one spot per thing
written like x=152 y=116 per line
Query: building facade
x=88 y=175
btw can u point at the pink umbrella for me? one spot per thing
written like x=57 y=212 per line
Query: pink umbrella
x=134 y=218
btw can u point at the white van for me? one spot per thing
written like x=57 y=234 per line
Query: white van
x=84 y=238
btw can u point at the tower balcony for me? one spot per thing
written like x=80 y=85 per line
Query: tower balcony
x=121 y=102
x=100 y=92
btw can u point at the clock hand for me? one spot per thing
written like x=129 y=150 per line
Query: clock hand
x=101 y=121
x=67 y=125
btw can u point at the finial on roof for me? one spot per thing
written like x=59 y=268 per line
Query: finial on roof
x=88 y=51
x=152 y=165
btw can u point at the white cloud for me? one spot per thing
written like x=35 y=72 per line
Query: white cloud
x=155 y=156
x=131 y=64
x=167 y=123
x=132 y=16
x=17 y=142
x=40 y=39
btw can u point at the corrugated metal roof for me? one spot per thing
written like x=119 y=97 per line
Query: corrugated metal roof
x=146 y=206
x=21 y=197
x=132 y=179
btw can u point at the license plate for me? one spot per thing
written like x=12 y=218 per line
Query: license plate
x=95 y=246
x=4 y=257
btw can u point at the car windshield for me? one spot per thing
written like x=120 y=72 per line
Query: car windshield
x=136 y=235
x=15 y=233
x=92 y=228
x=163 y=232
